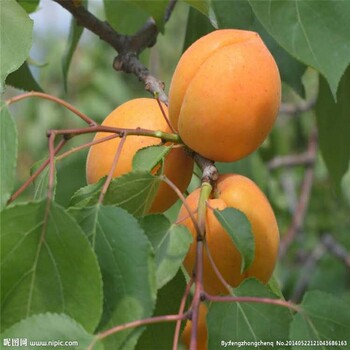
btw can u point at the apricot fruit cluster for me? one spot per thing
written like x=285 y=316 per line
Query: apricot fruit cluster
x=223 y=100
x=225 y=94
x=139 y=113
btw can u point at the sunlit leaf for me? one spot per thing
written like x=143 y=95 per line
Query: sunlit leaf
x=47 y=265
x=48 y=327
x=15 y=37
x=315 y=32
x=8 y=154
x=147 y=158
x=134 y=192
x=248 y=321
x=127 y=265
x=329 y=322
x=238 y=227
x=170 y=244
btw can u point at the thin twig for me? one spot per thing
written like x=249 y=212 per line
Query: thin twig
x=335 y=248
x=181 y=311
x=35 y=174
x=165 y=116
x=300 y=211
x=111 y=171
x=305 y=158
x=216 y=270
x=63 y=103
x=139 y=323
x=198 y=291
x=86 y=145
x=307 y=270
x=296 y=108
x=164 y=136
x=169 y=10
x=51 y=184
x=233 y=299
x=183 y=200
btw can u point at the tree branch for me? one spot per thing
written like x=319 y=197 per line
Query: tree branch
x=305 y=158
x=296 y=108
x=102 y=29
x=335 y=248
x=127 y=46
x=300 y=211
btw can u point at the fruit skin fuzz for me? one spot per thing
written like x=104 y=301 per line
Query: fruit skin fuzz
x=225 y=94
x=243 y=194
x=141 y=113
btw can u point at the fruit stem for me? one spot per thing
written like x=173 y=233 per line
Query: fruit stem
x=206 y=189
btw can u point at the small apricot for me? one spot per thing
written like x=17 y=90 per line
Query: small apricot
x=139 y=113
x=243 y=194
x=225 y=94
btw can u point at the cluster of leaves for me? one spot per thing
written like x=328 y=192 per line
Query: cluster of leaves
x=72 y=272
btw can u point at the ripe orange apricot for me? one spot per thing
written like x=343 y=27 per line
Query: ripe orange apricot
x=243 y=194
x=225 y=94
x=202 y=331
x=139 y=113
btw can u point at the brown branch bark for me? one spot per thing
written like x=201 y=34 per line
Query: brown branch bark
x=127 y=46
x=296 y=108
x=102 y=29
x=336 y=249
x=305 y=158
x=300 y=211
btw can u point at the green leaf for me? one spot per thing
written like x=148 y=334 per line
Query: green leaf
x=134 y=192
x=275 y=287
x=29 y=5
x=238 y=227
x=41 y=183
x=75 y=32
x=200 y=5
x=333 y=121
x=324 y=317
x=71 y=174
x=160 y=336
x=124 y=16
x=127 y=265
x=15 y=37
x=23 y=79
x=147 y=158
x=49 y=327
x=198 y=25
x=170 y=244
x=248 y=321
x=47 y=265
x=155 y=9
x=315 y=32
x=239 y=14
x=8 y=154
x=86 y=195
